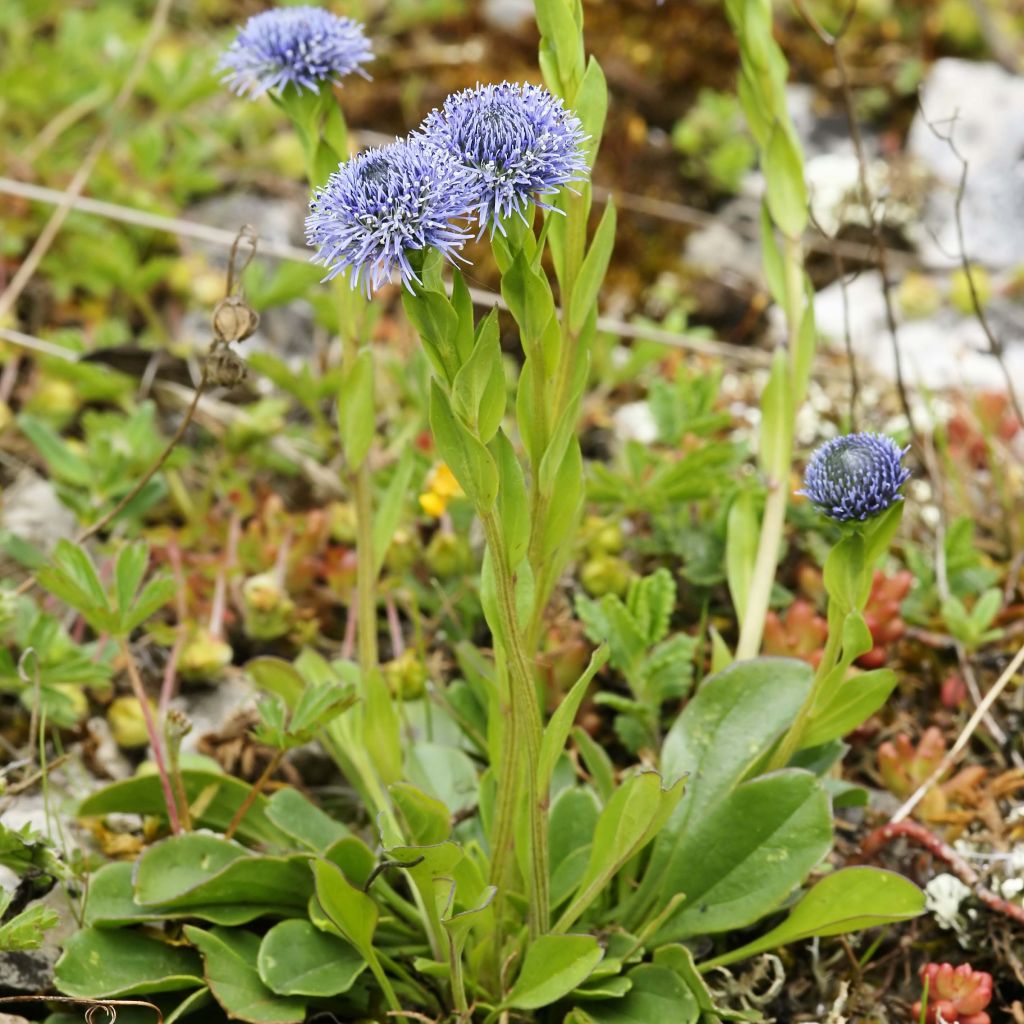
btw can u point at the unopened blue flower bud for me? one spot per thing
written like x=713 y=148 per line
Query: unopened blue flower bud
x=856 y=476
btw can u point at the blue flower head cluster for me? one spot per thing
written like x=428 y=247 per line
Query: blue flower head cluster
x=385 y=203
x=487 y=153
x=856 y=476
x=518 y=140
x=304 y=47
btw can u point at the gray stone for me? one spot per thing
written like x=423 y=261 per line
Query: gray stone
x=31 y=971
x=508 y=15
x=982 y=107
x=32 y=511
x=947 y=350
x=210 y=709
x=276 y=220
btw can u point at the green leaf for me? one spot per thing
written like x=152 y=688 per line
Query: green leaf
x=593 y=270
x=631 y=818
x=295 y=959
x=597 y=762
x=277 y=676
x=473 y=465
x=25 y=930
x=766 y=837
x=771 y=259
x=654 y=603
x=853 y=703
x=129 y=569
x=723 y=733
x=155 y=594
x=303 y=820
x=388 y=512
x=380 y=732
x=784 y=181
x=741 y=550
x=513 y=504
x=197 y=869
x=427 y=821
x=554 y=965
x=657 y=995
x=847 y=575
x=356 y=410
x=478 y=392
x=110 y=903
x=529 y=299
x=349 y=909
x=560 y=31
x=437 y=323
x=99 y=962
x=591 y=105
x=444 y=772
x=62 y=461
x=72 y=577
x=230 y=958
x=214 y=800
x=571 y=823
x=556 y=732
x=849 y=900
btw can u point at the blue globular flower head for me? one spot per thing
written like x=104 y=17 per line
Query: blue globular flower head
x=518 y=140
x=305 y=47
x=384 y=203
x=856 y=476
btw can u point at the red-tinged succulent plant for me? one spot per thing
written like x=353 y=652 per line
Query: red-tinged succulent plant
x=799 y=633
x=970 y=430
x=953 y=692
x=956 y=995
x=882 y=615
x=904 y=767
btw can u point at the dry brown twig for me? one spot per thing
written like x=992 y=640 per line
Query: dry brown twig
x=833 y=41
x=962 y=740
x=995 y=344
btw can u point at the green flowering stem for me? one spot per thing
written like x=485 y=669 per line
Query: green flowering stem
x=366 y=572
x=518 y=763
x=848 y=573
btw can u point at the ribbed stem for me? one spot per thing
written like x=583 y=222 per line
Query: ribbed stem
x=526 y=715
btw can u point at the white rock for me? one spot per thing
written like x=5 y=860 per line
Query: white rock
x=32 y=511
x=946 y=350
x=508 y=15
x=634 y=421
x=982 y=106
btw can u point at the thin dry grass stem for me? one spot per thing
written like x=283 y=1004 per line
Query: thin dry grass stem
x=963 y=739
x=995 y=345
x=833 y=42
x=155 y=741
x=254 y=792
x=94 y=1006
x=218 y=236
x=78 y=182
x=167 y=687
x=62 y=121
x=837 y=258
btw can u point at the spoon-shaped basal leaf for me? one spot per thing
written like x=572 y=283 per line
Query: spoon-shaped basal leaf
x=848 y=901
x=554 y=965
x=229 y=957
x=631 y=819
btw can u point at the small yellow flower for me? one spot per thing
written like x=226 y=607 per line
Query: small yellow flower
x=441 y=488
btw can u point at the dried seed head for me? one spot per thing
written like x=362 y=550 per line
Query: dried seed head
x=233 y=320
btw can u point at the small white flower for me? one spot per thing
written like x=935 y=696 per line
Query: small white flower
x=943 y=896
